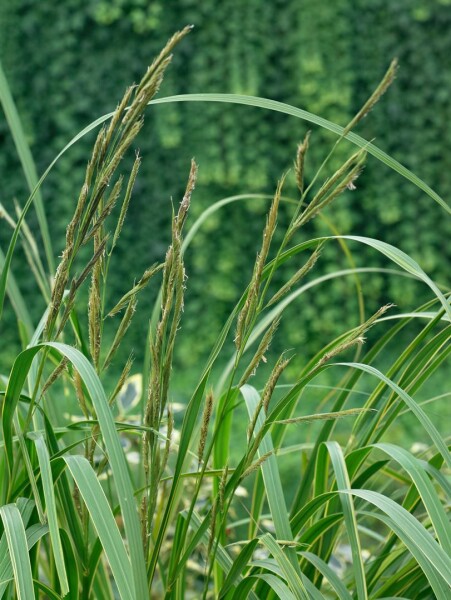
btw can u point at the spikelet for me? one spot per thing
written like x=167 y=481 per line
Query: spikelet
x=80 y=394
x=332 y=188
x=356 y=337
x=186 y=201
x=260 y=352
x=95 y=260
x=122 y=379
x=247 y=313
x=54 y=375
x=299 y=162
x=297 y=276
x=146 y=277
x=256 y=465
x=94 y=314
x=383 y=86
x=213 y=515
x=167 y=445
x=266 y=395
x=170 y=45
x=329 y=416
x=206 y=416
x=126 y=201
x=60 y=282
x=106 y=210
x=118 y=115
x=123 y=326
x=222 y=488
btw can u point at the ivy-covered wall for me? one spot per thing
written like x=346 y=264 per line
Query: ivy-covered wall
x=69 y=62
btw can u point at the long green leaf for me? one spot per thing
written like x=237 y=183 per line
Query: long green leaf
x=287 y=109
x=410 y=530
x=405 y=262
x=414 y=407
x=26 y=159
x=273 y=485
x=104 y=522
x=329 y=574
x=291 y=575
x=18 y=550
x=343 y=483
x=429 y=496
x=50 y=504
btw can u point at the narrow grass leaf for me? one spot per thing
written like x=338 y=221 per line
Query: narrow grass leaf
x=274 y=105
x=291 y=575
x=26 y=159
x=414 y=407
x=18 y=550
x=272 y=481
x=331 y=576
x=222 y=556
x=440 y=587
x=429 y=496
x=276 y=584
x=350 y=519
x=410 y=530
x=405 y=262
x=104 y=523
x=239 y=565
x=50 y=504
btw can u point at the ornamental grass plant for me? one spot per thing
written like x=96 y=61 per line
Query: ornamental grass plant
x=104 y=498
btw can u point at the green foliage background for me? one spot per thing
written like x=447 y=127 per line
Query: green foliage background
x=69 y=62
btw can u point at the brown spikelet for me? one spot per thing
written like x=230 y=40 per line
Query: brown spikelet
x=126 y=201
x=260 y=352
x=332 y=188
x=97 y=154
x=96 y=259
x=118 y=115
x=268 y=390
x=59 y=284
x=69 y=305
x=383 y=86
x=94 y=313
x=167 y=445
x=106 y=210
x=70 y=231
x=299 y=162
x=339 y=349
x=170 y=45
x=214 y=512
x=206 y=416
x=54 y=375
x=297 y=276
x=119 y=152
x=270 y=386
x=247 y=313
x=122 y=379
x=146 y=277
x=355 y=337
x=362 y=329
x=123 y=326
x=186 y=201
x=222 y=488
x=329 y=416
x=80 y=394
x=256 y=465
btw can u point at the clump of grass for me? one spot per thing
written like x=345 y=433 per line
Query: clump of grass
x=167 y=517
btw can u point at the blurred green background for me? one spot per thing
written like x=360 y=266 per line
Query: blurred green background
x=69 y=62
